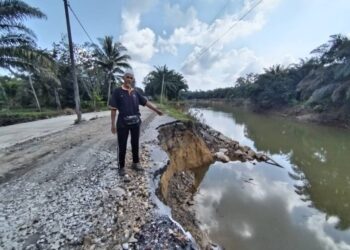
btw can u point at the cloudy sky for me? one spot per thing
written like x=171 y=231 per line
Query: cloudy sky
x=202 y=39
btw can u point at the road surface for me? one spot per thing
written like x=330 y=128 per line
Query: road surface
x=61 y=187
x=10 y=135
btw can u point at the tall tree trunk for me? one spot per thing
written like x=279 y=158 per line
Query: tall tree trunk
x=57 y=99
x=109 y=89
x=34 y=93
x=162 y=90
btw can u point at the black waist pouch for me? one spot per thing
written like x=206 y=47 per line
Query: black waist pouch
x=132 y=120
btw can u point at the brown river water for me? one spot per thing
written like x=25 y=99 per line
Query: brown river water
x=304 y=205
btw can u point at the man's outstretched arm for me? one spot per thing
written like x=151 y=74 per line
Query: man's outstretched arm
x=154 y=108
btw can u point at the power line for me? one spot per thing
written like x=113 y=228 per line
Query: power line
x=205 y=50
x=80 y=23
x=82 y=26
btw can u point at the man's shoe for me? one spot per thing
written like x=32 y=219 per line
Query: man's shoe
x=137 y=167
x=121 y=171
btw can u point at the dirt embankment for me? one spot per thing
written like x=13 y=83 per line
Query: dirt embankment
x=191 y=148
x=332 y=118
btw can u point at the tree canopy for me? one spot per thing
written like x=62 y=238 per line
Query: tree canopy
x=43 y=77
x=321 y=82
x=17 y=42
x=164 y=81
x=111 y=57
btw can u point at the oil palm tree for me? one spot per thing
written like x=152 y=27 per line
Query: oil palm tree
x=17 y=42
x=111 y=57
x=163 y=81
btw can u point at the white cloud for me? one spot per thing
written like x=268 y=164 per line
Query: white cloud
x=222 y=31
x=176 y=17
x=217 y=66
x=264 y=7
x=140 y=71
x=220 y=68
x=139 y=42
x=165 y=46
x=287 y=60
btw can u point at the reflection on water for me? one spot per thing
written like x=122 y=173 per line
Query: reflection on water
x=303 y=206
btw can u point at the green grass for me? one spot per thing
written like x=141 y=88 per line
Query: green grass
x=173 y=110
x=9 y=117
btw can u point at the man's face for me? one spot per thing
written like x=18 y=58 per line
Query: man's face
x=128 y=79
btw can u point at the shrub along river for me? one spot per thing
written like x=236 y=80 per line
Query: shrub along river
x=304 y=205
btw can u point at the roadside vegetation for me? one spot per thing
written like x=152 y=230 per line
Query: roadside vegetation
x=166 y=86
x=38 y=83
x=175 y=110
x=19 y=116
x=320 y=84
x=165 y=83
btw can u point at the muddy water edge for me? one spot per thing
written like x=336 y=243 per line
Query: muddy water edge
x=191 y=148
x=304 y=205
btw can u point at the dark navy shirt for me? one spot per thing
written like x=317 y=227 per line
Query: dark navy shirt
x=127 y=104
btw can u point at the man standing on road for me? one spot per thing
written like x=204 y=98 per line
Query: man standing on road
x=126 y=100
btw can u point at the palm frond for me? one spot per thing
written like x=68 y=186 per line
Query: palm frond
x=17 y=27
x=13 y=39
x=111 y=56
x=14 y=10
x=24 y=57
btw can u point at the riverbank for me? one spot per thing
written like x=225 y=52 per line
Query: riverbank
x=330 y=118
x=63 y=191
x=314 y=181
x=297 y=113
x=191 y=147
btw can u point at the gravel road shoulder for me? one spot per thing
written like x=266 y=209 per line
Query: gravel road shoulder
x=62 y=191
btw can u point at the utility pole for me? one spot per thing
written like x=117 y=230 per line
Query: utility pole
x=75 y=80
x=162 y=89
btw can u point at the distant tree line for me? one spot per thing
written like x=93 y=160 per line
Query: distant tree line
x=321 y=82
x=42 y=78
